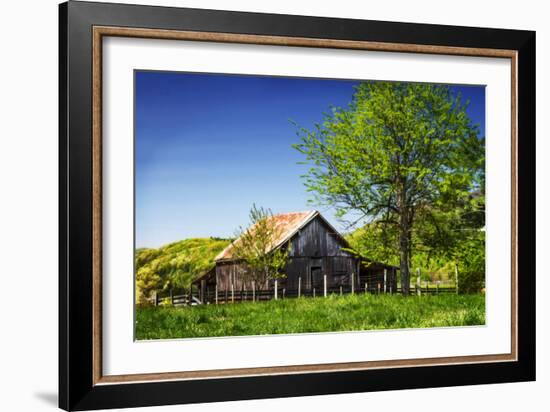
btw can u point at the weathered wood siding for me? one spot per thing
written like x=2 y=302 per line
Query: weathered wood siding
x=316 y=239
x=316 y=250
x=236 y=273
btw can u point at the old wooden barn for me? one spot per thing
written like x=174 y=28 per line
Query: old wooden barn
x=315 y=250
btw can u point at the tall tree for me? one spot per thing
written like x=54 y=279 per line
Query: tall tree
x=396 y=149
x=256 y=247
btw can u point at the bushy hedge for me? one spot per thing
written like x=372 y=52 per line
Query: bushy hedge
x=471 y=281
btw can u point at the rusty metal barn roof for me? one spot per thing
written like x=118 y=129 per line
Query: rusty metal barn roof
x=287 y=225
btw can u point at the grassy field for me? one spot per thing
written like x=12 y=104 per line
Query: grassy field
x=334 y=313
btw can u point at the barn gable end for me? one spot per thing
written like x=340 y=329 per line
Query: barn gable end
x=317 y=238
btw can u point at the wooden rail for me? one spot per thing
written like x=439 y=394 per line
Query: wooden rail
x=236 y=296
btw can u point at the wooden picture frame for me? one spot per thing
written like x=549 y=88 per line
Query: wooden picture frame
x=82 y=385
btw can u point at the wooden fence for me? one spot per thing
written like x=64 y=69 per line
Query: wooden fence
x=213 y=296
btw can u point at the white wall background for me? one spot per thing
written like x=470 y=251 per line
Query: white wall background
x=28 y=203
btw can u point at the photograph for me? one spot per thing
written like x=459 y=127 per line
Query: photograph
x=270 y=205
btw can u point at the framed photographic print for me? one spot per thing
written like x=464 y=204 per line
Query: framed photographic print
x=257 y=205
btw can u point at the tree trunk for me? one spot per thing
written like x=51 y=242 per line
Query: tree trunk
x=404 y=241
x=404 y=258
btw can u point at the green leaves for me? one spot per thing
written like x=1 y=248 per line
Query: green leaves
x=414 y=133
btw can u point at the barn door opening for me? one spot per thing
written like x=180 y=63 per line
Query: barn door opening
x=316 y=275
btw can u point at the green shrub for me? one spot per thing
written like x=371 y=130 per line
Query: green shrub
x=471 y=281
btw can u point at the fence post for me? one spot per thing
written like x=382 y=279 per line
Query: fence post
x=284 y=292
x=366 y=289
x=418 y=291
x=299 y=285
x=340 y=290
x=313 y=292
x=378 y=287
x=275 y=289
x=253 y=291
x=232 y=292
x=352 y=282
x=216 y=291
x=155 y=298
x=325 y=286
x=385 y=280
x=456 y=277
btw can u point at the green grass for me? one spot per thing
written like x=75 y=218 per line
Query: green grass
x=303 y=315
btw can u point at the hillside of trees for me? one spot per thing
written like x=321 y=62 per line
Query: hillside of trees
x=174 y=266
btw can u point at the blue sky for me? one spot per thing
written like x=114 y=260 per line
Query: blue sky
x=208 y=146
